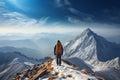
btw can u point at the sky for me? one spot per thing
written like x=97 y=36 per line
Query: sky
x=23 y=19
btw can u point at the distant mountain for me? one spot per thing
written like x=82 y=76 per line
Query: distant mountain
x=18 y=43
x=32 y=53
x=14 y=62
x=94 y=50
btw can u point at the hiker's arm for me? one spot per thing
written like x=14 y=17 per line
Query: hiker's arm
x=62 y=50
x=55 y=50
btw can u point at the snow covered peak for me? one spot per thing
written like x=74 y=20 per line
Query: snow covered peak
x=82 y=43
x=87 y=32
x=92 y=48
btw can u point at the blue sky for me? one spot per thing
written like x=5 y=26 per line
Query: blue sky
x=104 y=11
x=65 y=11
x=62 y=17
x=59 y=13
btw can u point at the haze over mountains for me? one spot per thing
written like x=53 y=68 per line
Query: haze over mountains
x=42 y=42
x=31 y=53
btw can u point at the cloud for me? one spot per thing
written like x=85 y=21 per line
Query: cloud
x=81 y=16
x=67 y=2
x=43 y=20
x=62 y=3
x=78 y=12
x=111 y=15
x=77 y=21
x=15 y=22
x=16 y=19
x=74 y=20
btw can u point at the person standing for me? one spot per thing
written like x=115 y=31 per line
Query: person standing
x=58 y=52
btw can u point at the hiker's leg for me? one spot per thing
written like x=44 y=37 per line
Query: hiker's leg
x=57 y=60
x=60 y=60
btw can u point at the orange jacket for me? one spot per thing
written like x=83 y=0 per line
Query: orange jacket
x=58 y=49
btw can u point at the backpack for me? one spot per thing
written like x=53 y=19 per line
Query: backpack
x=59 y=48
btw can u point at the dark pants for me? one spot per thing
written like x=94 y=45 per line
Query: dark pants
x=58 y=60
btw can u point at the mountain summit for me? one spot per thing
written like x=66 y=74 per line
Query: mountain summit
x=85 y=42
x=88 y=32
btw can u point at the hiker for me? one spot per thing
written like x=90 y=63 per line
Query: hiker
x=58 y=52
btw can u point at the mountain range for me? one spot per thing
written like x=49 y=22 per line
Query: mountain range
x=14 y=62
x=32 y=53
x=87 y=51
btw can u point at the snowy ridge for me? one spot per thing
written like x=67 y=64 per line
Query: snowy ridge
x=50 y=71
x=11 y=69
x=108 y=64
x=12 y=63
x=28 y=63
x=66 y=72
